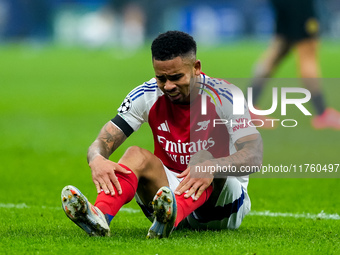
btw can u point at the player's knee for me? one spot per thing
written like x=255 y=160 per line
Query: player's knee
x=134 y=150
x=137 y=157
x=233 y=188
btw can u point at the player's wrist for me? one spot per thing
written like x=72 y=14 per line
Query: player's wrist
x=94 y=159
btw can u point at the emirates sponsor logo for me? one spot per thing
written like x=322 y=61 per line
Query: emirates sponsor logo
x=189 y=147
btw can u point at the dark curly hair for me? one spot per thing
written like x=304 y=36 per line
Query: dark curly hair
x=172 y=44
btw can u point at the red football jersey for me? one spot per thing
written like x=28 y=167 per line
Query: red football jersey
x=181 y=130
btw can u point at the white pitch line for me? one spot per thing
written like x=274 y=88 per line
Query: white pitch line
x=25 y=206
x=320 y=215
x=17 y=206
x=129 y=210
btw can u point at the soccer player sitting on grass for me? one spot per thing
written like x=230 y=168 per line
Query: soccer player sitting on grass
x=169 y=193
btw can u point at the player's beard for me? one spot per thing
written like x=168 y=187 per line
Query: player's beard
x=186 y=97
x=182 y=99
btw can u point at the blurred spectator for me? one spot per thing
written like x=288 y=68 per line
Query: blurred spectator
x=131 y=20
x=297 y=27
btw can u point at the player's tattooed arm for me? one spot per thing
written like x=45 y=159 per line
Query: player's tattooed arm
x=108 y=140
x=102 y=169
x=249 y=153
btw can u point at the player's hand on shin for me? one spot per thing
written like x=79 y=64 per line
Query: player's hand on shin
x=193 y=185
x=103 y=175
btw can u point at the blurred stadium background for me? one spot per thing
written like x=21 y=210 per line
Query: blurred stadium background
x=130 y=23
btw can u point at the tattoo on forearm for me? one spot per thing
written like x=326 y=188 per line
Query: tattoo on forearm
x=240 y=145
x=111 y=140
x=249 y=153
x=106 y=143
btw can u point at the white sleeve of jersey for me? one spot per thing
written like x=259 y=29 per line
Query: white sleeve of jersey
x=238 y=125
x=135 y=108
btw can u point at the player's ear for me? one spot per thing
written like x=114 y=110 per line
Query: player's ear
x=198 y=67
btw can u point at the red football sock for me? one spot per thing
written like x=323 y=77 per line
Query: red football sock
x=185 y=206
x=110 y=205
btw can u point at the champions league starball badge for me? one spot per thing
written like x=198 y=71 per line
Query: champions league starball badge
x=125 y=106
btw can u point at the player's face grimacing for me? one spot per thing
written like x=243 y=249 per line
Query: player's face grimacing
x=174 y=77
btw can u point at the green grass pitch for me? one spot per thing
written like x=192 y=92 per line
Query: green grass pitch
x=53 y=102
